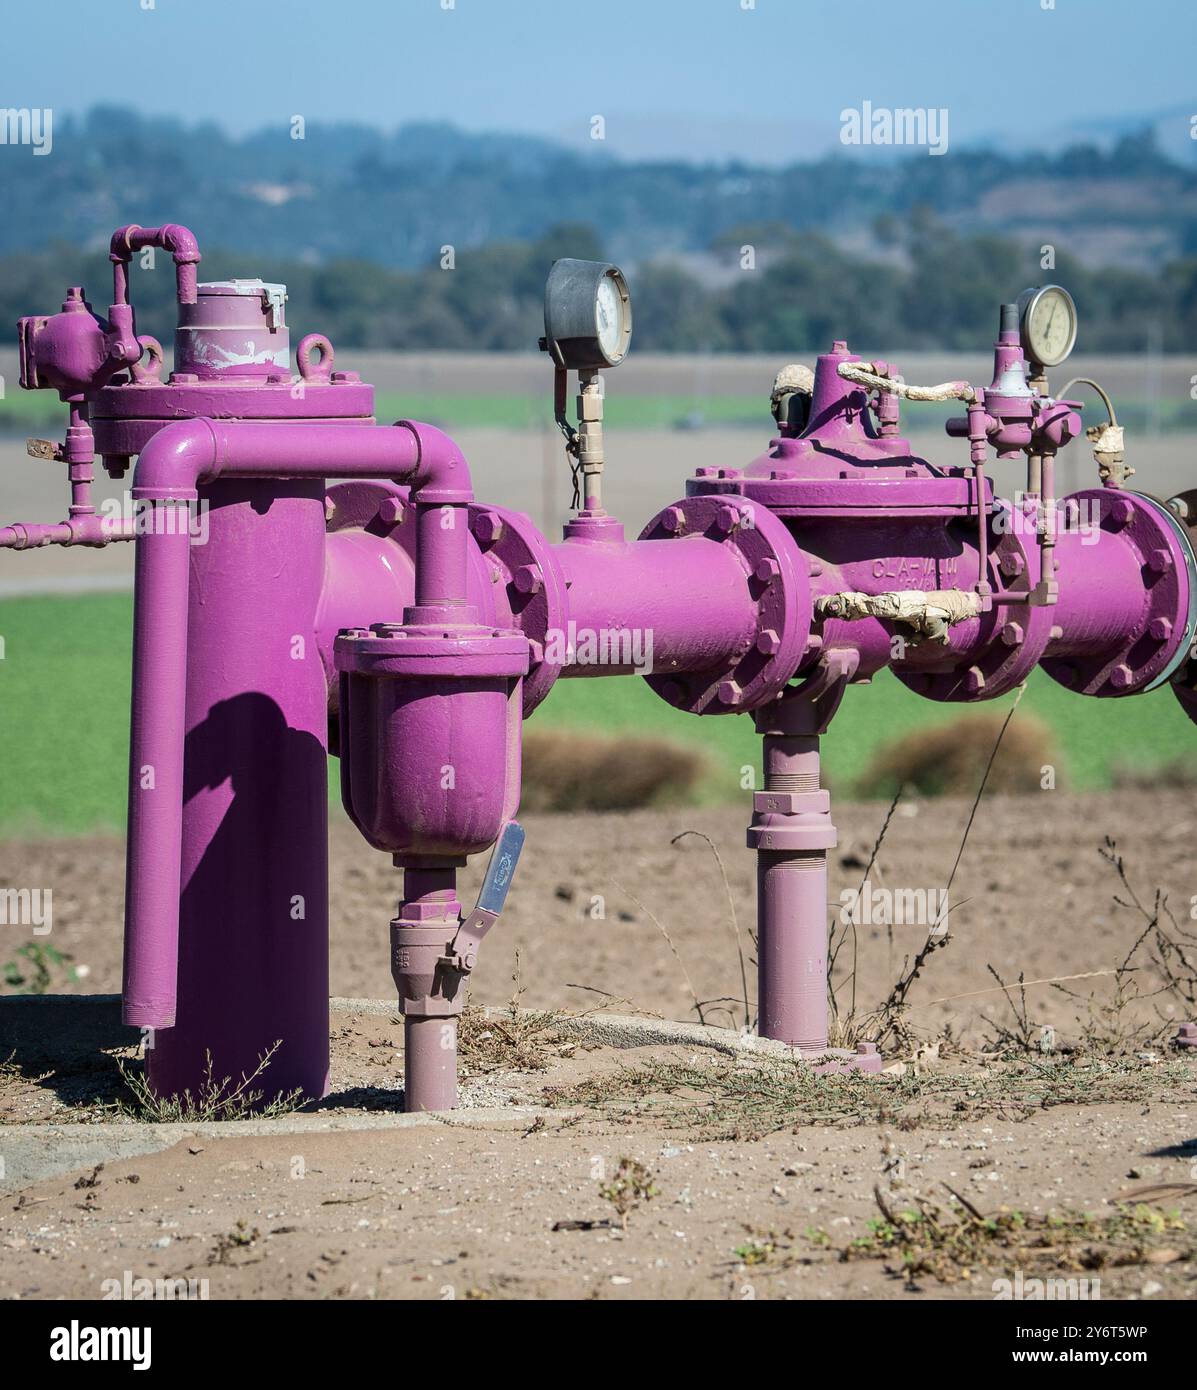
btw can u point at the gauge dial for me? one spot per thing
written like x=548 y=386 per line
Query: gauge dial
x=1049 y=324
x=587 y=315
x=608 y=307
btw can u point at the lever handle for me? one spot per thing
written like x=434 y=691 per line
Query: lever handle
x=501 y=869
x=463 y=952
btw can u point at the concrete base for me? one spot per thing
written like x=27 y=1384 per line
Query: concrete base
x=62 y=1033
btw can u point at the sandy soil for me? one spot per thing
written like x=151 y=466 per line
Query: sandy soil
x=1032 y=895
x=457 y=1213
x=441 y=1211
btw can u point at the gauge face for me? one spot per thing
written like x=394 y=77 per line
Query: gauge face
x=1049 y=324
x=608 y=310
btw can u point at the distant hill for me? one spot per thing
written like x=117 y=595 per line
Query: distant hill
x=353 y=192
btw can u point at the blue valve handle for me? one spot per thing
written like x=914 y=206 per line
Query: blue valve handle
x=463 y=950
x=501 y=869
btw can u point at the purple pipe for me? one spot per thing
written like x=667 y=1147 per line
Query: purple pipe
x=253 y=900
x=170 y=468
x=428 y=916
x=692 y=597
x=178 y=240
x=792 y=832
x=158 y=704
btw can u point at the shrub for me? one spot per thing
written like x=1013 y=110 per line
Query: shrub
x=950 y=759
x=565 y=771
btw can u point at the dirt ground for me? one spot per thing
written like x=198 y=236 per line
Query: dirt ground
x=1032 y=895
x=754 y=1197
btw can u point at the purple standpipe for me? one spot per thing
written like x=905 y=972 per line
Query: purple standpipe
x=418 y=627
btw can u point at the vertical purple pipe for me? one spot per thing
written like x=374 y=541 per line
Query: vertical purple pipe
x=792 y=902
x=253 y=932
x=442 y=538
x=428 y=918
x=156 y=781
x=429 y=1064
x=792 y=947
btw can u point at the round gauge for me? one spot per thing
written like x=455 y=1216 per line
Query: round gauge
x=1048 y=324
x=587 y=314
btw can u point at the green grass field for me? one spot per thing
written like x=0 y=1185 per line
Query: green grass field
x=64 y=700
x=23 y=411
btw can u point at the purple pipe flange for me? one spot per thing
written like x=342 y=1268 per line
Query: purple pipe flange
x=776 y=578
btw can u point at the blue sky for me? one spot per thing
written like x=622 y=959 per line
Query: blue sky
x=695 y=79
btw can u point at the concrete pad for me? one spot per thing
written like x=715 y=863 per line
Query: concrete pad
x=65 y=1033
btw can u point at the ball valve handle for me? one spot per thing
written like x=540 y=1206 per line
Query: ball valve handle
x=462 y=954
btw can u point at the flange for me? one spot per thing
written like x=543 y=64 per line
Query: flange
x=1010 y=638
x=1156 y=646
x=407 y=651
x=777 y=574
x=520 y=559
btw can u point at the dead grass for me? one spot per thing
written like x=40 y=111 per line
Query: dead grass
x=954 y=1241
x=223 y=1099
x=516 y=1040
x=744 y=1099
x=950 y=759
x=566 y=771
x=1152 y=986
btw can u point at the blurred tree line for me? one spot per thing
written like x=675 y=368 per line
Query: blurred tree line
x=920 y=285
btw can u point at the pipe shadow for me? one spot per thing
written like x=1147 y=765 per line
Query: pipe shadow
x=253 y=929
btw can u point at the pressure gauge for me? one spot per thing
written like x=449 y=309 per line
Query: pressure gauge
x=587 y=315
x=1047 y=324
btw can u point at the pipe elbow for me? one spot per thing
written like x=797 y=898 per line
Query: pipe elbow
x=181 y=242
x=174 y=460
x=441 y=473
x=119 y=247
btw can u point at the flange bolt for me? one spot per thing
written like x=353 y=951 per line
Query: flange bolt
x=1121 y=512
x=730 y=692
x=527 y=580
x=487 y=527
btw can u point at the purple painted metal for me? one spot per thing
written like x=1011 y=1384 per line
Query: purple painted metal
x=430 y=999
x=169 y=471
x=425 y=625
x=252 y=939
x=791 y=832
